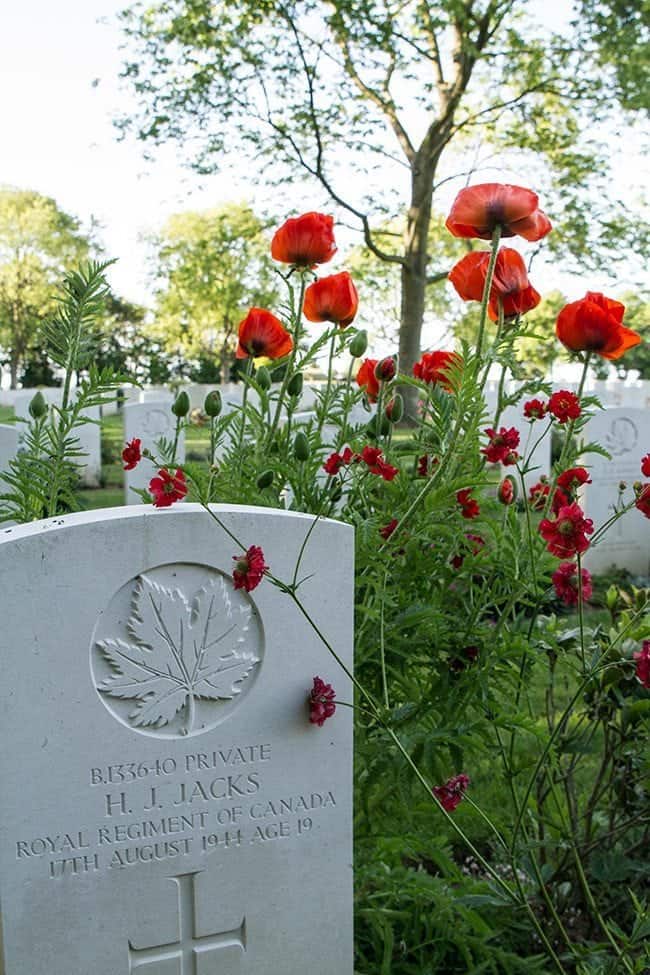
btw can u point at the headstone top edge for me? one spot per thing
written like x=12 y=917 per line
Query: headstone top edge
x=136 y=511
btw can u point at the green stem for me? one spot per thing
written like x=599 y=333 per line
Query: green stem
x=296 y=320
x=489 y=277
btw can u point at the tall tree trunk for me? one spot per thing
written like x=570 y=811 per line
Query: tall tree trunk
x=13 y=370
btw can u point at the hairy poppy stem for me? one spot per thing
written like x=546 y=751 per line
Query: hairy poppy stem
x=489 y=277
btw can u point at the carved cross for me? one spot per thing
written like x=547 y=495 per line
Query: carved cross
x=189 y=946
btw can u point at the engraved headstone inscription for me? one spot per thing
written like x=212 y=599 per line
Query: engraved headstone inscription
x=626 y=544
x=166 y=806
x=149 y=421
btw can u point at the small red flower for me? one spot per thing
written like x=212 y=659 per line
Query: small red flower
x=262 y=334
x=572 y=479
x=132 y=455
x=388 y=529
x=642 y=658
x=595 y=324
x=645 y=465
x=451 y=793
x=478 y=210
x=643 y=500
x=510 y=285
x=564 y=405
x=426 y=465
x=321 y=702
x=249 y=569
x=474 y=544
x=506 y=491
x=167 y=488
x=501 y=446
x=537 y=495
x=373 y=457
x=535 y=409
x=305 y=241
x=385 y=369
x=469 y=656
x=567 y=535
x=367 y=380
x=332 y=299
x=565 y=581
x=433 y=368
x=469 y=506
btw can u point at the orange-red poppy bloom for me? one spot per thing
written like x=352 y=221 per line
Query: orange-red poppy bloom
x=332 y=299
x=262 y=334
x=478 y=210
x=305 y=241
x=433 y=368
x=595 y=324
x=367 y=379
x=510 y=285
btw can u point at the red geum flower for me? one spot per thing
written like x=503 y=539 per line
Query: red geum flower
x=478 y=210
x=535 y=409
x=332 y=299
x=469 y=506
x=537 y=495
x=249 y=569
x=305 y=241
x=501 y=446
x=373 y=457
x=385 y=369
x=564 y=405
x=433 y=368
x=321 y=702
x=642 y=658
x=451 y=793
x=388 y=529
x=643 y=499
x=132 y=455
x=262 y=334
x=426 y=465
x=474 y=544
x=510 y=285
x=367 y=380
x=595 y=324
x=167 y=488
x=565 y=582
x=645 y=465
x=506 y=492
x=567 y=535
x=572 y=479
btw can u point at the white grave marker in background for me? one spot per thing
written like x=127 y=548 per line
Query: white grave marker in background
x=148 y=421
x=623 y=433
x=166 y=807
x=8 y=445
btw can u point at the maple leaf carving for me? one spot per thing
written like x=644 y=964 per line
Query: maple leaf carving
x=180 y=650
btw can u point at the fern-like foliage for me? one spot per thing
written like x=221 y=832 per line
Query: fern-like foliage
x=42 y=479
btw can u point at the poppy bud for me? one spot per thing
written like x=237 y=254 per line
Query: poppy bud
x=378 y=426
x=336 y=490
x=359 y=344
x=294 y=386
x=265 y=479
x=212 y=405
x=181 y=405
x=37 y=406
x=507 y=491
x=301 y=448
x=395 y=409
x=385 y=369
x=622 y=486
x=263 y=378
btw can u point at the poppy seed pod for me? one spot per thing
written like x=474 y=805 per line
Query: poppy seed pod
x=181 y=405
x=265 y=479
x=37 y=406
x=359 y=344
x=213 y=403
x=263 y=378
x=301 y=448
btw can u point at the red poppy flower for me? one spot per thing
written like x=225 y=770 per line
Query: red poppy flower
x=332 y=299
x=643 y=500
x=426 y=465
x=321 y=702
x=132 y=455
x=506 y=491
x=567 y=535
x=535 y=409
x=167 y=488
x=388 y=529
x=645 y=465
x=501 y=447
x=367 y=380
x=305 y=241
x=565 y=582
x=642 y=658
x=572 y=479
x=262 y=334
x=373 y=457
x=469 y=506
x=478 y=210
x=595 y=324
x=451 y=793
x=510 y=285
x=433 y=368
x=249 y=569
x=564 y=405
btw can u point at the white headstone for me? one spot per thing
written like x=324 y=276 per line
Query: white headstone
x=166 y=807
x=8 y=445
x=626 y=545
x=148 y=421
